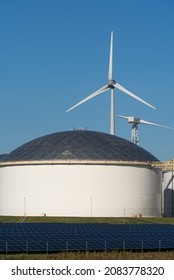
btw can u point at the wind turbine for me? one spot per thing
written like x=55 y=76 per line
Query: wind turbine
x=111 y=85
x=134 y=121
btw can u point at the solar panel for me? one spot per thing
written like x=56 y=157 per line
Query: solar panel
x=55 y=237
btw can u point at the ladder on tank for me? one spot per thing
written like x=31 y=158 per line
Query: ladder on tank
x=22 y=219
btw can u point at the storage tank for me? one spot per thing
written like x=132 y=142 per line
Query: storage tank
x=80 y=174
x=168 y=193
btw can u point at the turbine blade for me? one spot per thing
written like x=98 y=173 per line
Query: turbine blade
x=120 y=116
x=123 y=117
x=155 y=124
x=103 y=89
x=132 y=95
x=110 y=58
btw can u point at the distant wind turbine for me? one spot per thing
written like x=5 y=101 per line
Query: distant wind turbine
x=134 y=121
x=112 y=84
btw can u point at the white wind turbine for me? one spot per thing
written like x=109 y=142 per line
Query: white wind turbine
x=112 y=84
x=134 y=122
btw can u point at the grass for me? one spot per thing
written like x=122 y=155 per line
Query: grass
x=122 y=220
x=114 y=255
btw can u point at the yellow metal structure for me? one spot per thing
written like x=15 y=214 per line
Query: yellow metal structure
x=166 y=166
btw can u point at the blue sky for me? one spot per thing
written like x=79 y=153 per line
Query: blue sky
x=53 y=53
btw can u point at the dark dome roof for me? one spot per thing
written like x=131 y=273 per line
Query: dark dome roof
x=2 y=156
x=79 y=145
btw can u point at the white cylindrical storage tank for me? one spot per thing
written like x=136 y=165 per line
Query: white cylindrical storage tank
x=168 y=193
x=80 y=174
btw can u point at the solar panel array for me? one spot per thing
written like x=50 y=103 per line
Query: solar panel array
x=54 y=237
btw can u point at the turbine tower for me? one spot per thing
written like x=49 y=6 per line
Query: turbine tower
x=134 y=121
x=112 y=84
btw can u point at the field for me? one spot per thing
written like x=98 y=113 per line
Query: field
x=10 y=219
x=92 y=256
x=113 y=255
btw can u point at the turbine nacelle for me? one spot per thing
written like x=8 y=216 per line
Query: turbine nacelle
x=134 y=120
x=111 y=84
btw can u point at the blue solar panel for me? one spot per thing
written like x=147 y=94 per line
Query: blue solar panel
x=55 y=237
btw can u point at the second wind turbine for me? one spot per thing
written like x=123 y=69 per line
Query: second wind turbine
x=112 y=84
